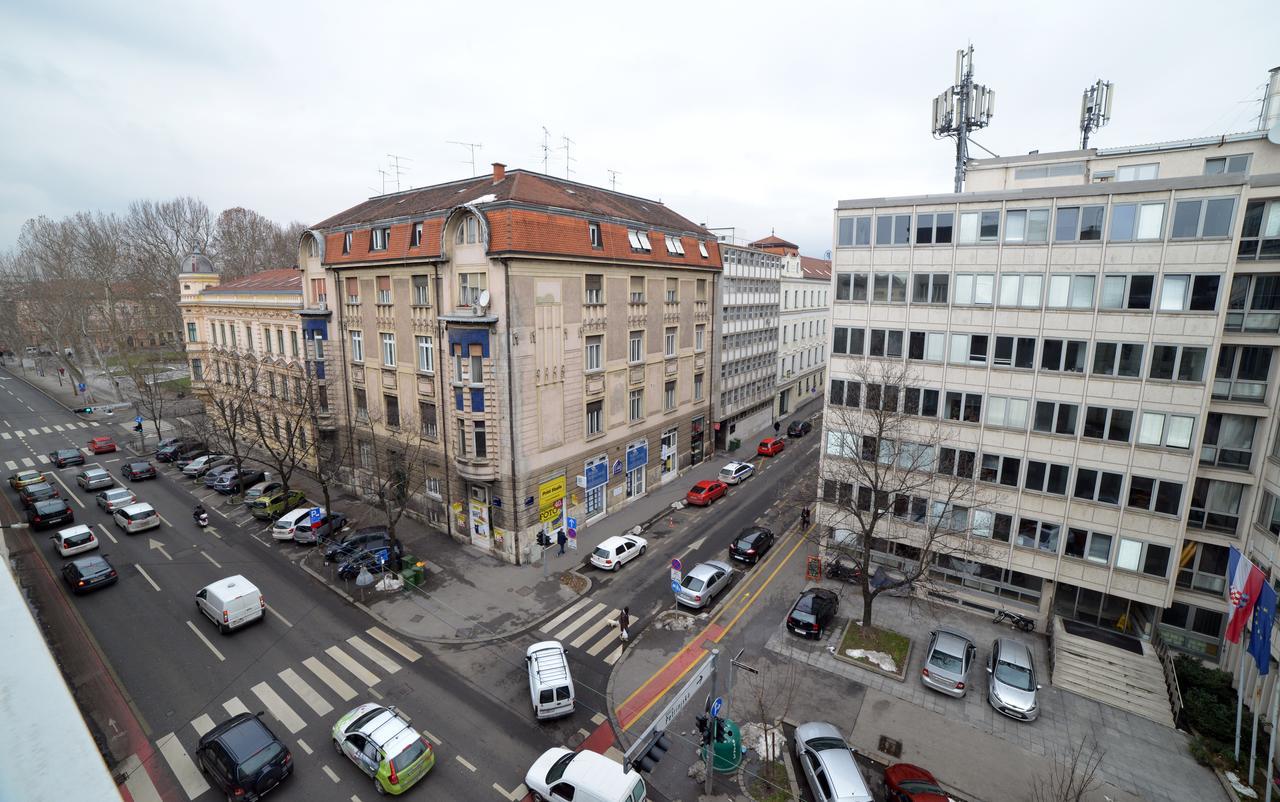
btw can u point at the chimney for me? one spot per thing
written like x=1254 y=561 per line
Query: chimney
x=499 y=172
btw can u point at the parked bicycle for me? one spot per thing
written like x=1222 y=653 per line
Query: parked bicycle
x=1016 y=620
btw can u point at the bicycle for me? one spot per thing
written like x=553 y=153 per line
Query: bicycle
x=1016 y=620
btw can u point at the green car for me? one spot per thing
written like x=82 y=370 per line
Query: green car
x=273 y=505
x=382 y=742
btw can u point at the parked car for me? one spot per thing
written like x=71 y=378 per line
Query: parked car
x=102 y=445
x=187 y=457
x=66 y=456
x=1011 y=681
x=94 y=479
x=324 y=530
x=384 y=745
x=43 y=491
x=947 y=662
x=116 y=498
x=243 y=758
x=264 y=487
x=288 y=524
x=197 y=468
x=375 y=558
x=771 y=446
x=356 y=541
x=813 y=612
x=734 y=472
x=751 y=544
x=614 y=551
x=231 y=482
x=799 y=428
x=829 y=765
x=74 y=540
x=907 y=783
x=137 y=471
x=212 y=475
x=561 y=773
x=21 y=479
x=276 y=504
x=88 y=573
x=700 y=584
x=705 y=492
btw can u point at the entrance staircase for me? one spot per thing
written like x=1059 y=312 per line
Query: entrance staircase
x=1111 y=674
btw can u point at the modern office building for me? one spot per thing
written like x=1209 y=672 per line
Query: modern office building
x=803 y=318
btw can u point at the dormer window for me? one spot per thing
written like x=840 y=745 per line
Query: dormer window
x=639 y=241
x=378 y=239
x=468 y=231
x=415 y=239
x=596 y=240
x=313 y=247
x=702 y=249
x=346 y=242
x=675 y=247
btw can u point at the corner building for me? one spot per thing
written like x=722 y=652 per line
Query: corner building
x=547 y=341
x=1097 y=332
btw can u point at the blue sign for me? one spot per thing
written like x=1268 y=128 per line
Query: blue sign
x=496 y=501
x=81 y=386
x=675 y=586
x=315 y=515
x=617 y=467
x=572 y=523
x=597 y=473
x=716 y=705
x=637 y=456
x=675 y=564
x=138 y=419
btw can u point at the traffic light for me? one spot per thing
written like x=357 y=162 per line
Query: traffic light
x=701 y=722
x=137 y=427
x=84 y=411
x=657 y=748
x=544 y=539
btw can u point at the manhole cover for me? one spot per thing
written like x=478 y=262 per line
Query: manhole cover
x=890 y=746
x=416 y=618
x=525 y=591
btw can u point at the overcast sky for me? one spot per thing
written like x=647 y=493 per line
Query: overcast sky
x=754 y=115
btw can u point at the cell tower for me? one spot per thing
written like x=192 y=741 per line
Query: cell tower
x=1095 y=110
x=960 y=109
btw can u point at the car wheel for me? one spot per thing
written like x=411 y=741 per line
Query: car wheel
x=223 y=628
x=377 y=786
x=616 y=566
x=337 y=747
x=642 y=548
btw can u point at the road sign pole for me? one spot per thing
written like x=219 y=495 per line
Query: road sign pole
x=711 y=729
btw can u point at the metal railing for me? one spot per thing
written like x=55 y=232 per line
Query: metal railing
x=1170 y=674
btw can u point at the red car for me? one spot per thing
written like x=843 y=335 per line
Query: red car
x=908 y=783
x=102 y=445
x=705 y=492
x=770 y=446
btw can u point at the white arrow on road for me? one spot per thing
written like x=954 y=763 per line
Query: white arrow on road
x=158 y=546
x=112 y=723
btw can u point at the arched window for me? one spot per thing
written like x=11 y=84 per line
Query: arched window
x=472 y=227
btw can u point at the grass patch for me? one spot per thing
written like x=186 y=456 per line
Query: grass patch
x=770 y=783
x=177 y=386
x=875 y=639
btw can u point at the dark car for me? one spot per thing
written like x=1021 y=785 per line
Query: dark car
x=89 y=573
x=376 y=558
x=45 y=514
x=41 y=491
x=176 y=448
x=229 y=483
x=243 y=758
x=908 y=783
x=185 y=458
x=799 y=428
x=66 y=456
x=813 y=612
x=355 y=541
x=137 y=471
x=751 y=544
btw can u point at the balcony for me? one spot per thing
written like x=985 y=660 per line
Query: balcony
x=1251 y=392
x=595 y=318
x=477 y=469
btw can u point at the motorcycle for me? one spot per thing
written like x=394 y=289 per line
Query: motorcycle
x=1017 y=621
x=843 y=572
x=202 y=519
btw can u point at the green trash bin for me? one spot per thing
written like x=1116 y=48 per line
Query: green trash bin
x=728 y=747
x=412 y=570
x=734 y=443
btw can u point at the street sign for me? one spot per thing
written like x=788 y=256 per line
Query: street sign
x=315 y=515
x=676 y=576
x=675 y=564
x=675 y=586
x=138 y=419
x=664 y=719
x=82 y=387
x=716 y=705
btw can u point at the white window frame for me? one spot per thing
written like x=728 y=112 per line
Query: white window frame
x=426 y=354
x=635 y=347
x=669 y=338
x=1148 y=171
x=1007 y=412
x=974 y=289
x=635 y=405
x=593 y=351
x=357 y=346
x=1021 y=290
x=1072 y=285
x=388 y=340
x=1018 y=225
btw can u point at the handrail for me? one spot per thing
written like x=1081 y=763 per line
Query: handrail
x=1170 y=673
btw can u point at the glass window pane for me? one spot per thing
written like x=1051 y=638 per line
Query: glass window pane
x=1150 y=220
x=1009 y=288
x=964 y=288
x=1091 y=219
x=884 y=230
x=1031 y=288
x=1128 y=555
x=1122 y=220
x=1173 y=292
x=942 y=229
x=1130 y=360
x=1140 y=291
x=1037 y=225
x=1059 y=290
x=902 y=229
x=1082 y=292
x=863 y=233
x=1186 y=218
x=1112 y=292
x=1065 y=228
x=1163 y=358
x=1151 y=429
x=969 y=227
x=1099 y=548
x=1191 y=366
x=990 y=226
x=983 y=288
x=1015 y=226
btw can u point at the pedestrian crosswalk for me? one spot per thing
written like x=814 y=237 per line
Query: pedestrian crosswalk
x=365 y=660
x=590 y=626
x=57 y=427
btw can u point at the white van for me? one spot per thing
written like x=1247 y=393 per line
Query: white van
x=231 y=603
x=137 y=518
x=583 y=777
x=550 y=685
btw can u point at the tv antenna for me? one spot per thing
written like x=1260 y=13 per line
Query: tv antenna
x=1095 y=110
x=613 y=179
x=961 y=108
x=383 y=174
x=546 y=148
x=396 y=169
x=567 y=158
x=472 y=146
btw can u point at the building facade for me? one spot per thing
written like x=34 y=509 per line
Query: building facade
x=544 y=346
x=750 y=290
x=803 y=314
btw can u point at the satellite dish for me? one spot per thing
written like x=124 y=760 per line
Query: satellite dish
x=1273 y=135
x=483 y=302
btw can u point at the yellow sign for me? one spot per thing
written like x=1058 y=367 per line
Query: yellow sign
x=551 y=491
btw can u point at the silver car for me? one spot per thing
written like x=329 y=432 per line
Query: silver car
x=950 y=656
x=262 y=488
x=202 y=465
x=828 y=764
x=701 y=583
x=116 y=498
x=94 y=479
x=1011 y=681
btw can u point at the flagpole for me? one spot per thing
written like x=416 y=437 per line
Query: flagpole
x=1240 y=699
x=1271 y=752
x=1253 y=736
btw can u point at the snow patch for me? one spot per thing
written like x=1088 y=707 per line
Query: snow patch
x=768 y=742
x=490 y=198
x=881 y=659
x=675 y=621
x=1240 y=788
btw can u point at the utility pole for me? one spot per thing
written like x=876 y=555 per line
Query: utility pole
x=712 y=721
x=962 y=108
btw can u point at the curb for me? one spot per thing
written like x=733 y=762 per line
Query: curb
x=37 y=388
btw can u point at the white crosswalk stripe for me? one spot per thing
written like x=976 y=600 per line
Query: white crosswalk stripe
x=33 y=431
x=43 y=459
x=346 y=661
x=614 y=655
x=305 y=692
x=6 y=435
x=26 y=461
x=182 y=766
x=614 y=635
x=579 y=621
x=394 y=645
x=46 y=430
x=591 y=631
x=593 y=627
x=553 y=623
x=58 y=427
x=94 y=423
x=82 y=424
x=329 y=678
x=11 y=465
x=202 y=723
x=278 y=707
x=234 y=706
x=139 y=783
x=386 y=663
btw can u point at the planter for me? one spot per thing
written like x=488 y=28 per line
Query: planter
x=900 y=675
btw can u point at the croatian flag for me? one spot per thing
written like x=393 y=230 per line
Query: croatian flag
x=1247 y=581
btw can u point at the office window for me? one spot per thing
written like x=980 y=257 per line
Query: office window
x=915 y=401
x=421 y=290
x=1100 y=486
x=851 y=287
x=357 y=346
x=979 y=227
x=1166 y=429
x=1055 y=417
x=427 y=419
x=388 y=349
x=1094 y=547
x=1205 y=570
x=847 y=341
x=1137 y=172
x=1042 y=535
x=1014 y=352
x=1155 y=495
x=930 y=288
x=378 y=239
x=669 y=396
x=886 y=343
x=361 y=404
x=470 y=286
x=426 y=354
x=854 y=231
x=975 y=288
x=1000 y=470
x=968 y=349
x=1227 y=164
x=1071 y=292
x=992 y=525
x=893 y=229
x=595 y=417
x=956 y=462
x=1126 y=292
x=1079 y=223
x=593 y=231
x=1067 y=356
x=1215 y=506
x=1259 y=233
x=635 y=347
x=594 y=347
x=1137 y=221
x=1123 y=360
x=890 y=288
x=635 y=406
x=697 y=387
x=191 y=333
x=669 y=341
x=1046 y=477
x=1179 y=293
x=1242 y=372
x=346 y=242
x=934 y=228
x=415 y=236
x=636 y=289
x=1010 y=413
x=384 y=289
x=965 y=407
x=1021 y=290
x=1140 y=557
x=1177 y=363
x=1101 y=423
x=928 y=346
x=1203 y=217
x=392 y=405
x=1026 y=225
x=1228 y=441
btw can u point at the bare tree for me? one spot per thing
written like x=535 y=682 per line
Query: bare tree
x=231 y=400
x=1072 y=776
x=890 y=476
x=242 y=241
x=161 y=234
x=283 y=424
x=391 y=468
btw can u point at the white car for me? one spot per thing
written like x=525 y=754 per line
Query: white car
x=74 y=540
x=614 y=551
x=735 y=472
x=286 y=526
x=565 y=774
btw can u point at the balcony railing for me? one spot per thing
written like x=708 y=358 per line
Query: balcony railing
x=1258 y=248
x=1240 y=390
x=1252 y=322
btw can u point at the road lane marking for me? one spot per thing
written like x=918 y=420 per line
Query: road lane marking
x=57 y=426
x=329 y=678
x=201 y=636
x=210 y=559
x=598 y=719
x=278 y=707
x=376 y=695
x=139 y=784
x=553 y=623
x=182 y=766
x=394 y=645
x=593 y=630
x=579 y=621
x=329 y=772
x=599 y=646
x=305 y=692
x=107 y=532
x=46 y=430
x=464 y=762
x=165 y=520
x=6 y=435
x=276 y=613
x=82 y=424
x=614 y=656
x=203 y=723
x=70 y=495
x=433 y=739
x=145 y=575
x=11 y=465
x=520 y=793
x=234 y=706
x=32 y=431
x=346 y=661
x=363 y=646
x=303 y=746
x=27 y=463
x=44 y=460
x=94 y=423
x=260 y=540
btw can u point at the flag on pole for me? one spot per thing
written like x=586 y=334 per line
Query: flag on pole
x=1264 y=616
x=1247 y=581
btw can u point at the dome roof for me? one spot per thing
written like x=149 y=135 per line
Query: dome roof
x=196 y=262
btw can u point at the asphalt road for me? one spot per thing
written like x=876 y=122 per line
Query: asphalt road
x=312 y=659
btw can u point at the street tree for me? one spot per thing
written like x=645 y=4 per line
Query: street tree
x=231 y=398
x=1071 y=776
x=283 y=424
x=392 y=455
x=892 y=479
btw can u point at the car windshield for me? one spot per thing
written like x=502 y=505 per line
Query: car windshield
x=558 y=768
x=411 y=753
x=112 y=495
x=747 y=541
x=919 y=787
x=823 y=743
x=692 y=583
x=945 y=661
x=77 y=540
x=261 y=758
x=1015 y=676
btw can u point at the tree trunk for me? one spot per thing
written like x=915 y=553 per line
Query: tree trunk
x=868 y=597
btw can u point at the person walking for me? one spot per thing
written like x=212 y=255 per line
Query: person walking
x=561 y=539
x=624 y=624
x=804 y=518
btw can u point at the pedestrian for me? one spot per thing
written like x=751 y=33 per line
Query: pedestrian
x=804 y=518
x=777 y=426
x=624 y=623
x=561 y=539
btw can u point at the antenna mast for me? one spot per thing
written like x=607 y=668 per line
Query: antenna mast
x=396 y=169
x=1095 y=110
x=383 y=174
x=962 y=108
x=472 y=146
x=613 y=179
x=546 y=148
x=567 y=158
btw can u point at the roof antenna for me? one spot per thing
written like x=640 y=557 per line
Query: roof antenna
x=546 y=148
x=383 y=174
x=613 y=179
x=961 y=108
x=472 y=146
x=1095 y=110
x=396 y=169
x=567 y=158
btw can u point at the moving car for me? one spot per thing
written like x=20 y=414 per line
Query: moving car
x=116 y=498
x=94 y=479
x=735 y=472
x=907 y=783
x=266 y=507
x=212 y=475
x=21 y=479
x=550 y=683
x=43 y=491
x=375 y=559
x=89 y=573
x=102 y=445
x=771 y=446
x=947 y=661
x=231 y=603
x=260 y=489
x=231 y=482
x=705 y=492
x=198 y=467
x=137 y=471
x=45 y=514
x=584 y=776
x=813 y=612
x=382 y=742
x=829 y=765
x=329 y=525
x=1011 y=684
x=137 y=517
x=353 y=542
x=74 y=540
x=799 y=428
x=66 y=456
x=243 y=758
x=751 y=544
x=700 y=584
x=614 y=551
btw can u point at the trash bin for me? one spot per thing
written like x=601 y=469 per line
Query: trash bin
x=727 y=748
x=413 y=571
x=734 y=443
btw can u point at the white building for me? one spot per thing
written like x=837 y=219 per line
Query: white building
x=803 y=320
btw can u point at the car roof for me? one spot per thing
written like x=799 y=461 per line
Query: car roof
x=62 y=451
x=706 y=569
x=387 y=728
x=243 y=736
x=299 y=513
x=1014 y=651
x=952 y=641
x=26 y=472
x=119 y=491
x=752 y=531
x=592 y=769
x=88 y=471
x=72 y=531
x=735 y=465
x=31 y=488
x=705 y=483
x=92 y=562
x=141 y=506
x=618 y=540
x=236 y=584
x=102 y=437
x=51 y=503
